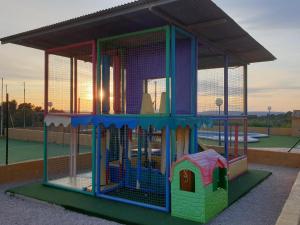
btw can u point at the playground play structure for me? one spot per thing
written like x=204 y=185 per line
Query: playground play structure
x=144 y=77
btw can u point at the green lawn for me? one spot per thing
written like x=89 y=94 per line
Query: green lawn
x=267 y=142
x=19 y=151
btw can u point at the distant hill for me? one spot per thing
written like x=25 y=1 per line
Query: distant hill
x=263 y=113
x=252 y=113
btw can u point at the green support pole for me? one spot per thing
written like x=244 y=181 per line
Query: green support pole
x=45 y=178
x=173 y=70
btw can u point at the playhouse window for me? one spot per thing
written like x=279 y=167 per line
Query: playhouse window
x=187 y=181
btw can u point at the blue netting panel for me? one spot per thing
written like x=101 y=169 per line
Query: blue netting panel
x=133 y=165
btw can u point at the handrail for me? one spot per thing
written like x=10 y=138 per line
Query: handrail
x=294 y=145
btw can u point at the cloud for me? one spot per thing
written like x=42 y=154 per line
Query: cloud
x=264 y=14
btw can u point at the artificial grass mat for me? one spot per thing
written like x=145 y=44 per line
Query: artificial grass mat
x=124 y=213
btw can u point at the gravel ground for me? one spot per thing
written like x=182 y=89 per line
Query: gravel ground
x=260 y=207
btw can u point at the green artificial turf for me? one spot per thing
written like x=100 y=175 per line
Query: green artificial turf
x=244 y=183
x=275 y=142
x=124 y=213
x=266 y=142
x=19 y=151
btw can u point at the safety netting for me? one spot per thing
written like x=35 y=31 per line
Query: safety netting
x=237 y=138
x=225 y=134
x=133 y=73
x=70 y=79
x=183 y=72
x=132 y=165
x=69 y=157
x=211 y=91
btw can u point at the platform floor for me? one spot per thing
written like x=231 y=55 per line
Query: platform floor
x=81 y=181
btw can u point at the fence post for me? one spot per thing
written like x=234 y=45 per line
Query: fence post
x=7 y=112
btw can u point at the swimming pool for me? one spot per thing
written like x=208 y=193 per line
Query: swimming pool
x=214 y=135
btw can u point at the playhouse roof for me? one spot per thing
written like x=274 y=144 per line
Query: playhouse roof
x=217 y=32
x=206 y=162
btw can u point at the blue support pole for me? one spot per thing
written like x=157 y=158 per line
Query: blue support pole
x=168 y=165
x=126 y=142
x=173 y=70
x=194 y=76
x=94 y=159
x=98 y=155
x=226 y=62
x=139 y=160
x=194 y=69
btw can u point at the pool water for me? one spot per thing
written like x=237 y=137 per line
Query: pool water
x=214 y=136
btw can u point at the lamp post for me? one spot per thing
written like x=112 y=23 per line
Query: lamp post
x=219 y=103
x=269 y=119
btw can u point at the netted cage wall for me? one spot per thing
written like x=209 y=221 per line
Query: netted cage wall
x=211 y=92
x=183 y=68
x=134 y=75
x=213 y=136
x=237 y=138
x=236 y=91
x=132 y=165
x=234 y=140
x=69 y=157
x=70 y=79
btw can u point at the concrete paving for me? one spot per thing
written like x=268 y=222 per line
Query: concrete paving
x=261 y=206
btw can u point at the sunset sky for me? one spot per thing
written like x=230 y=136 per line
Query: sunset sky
x=273 y=23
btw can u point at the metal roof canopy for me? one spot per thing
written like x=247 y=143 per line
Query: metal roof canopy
x=218 y=34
